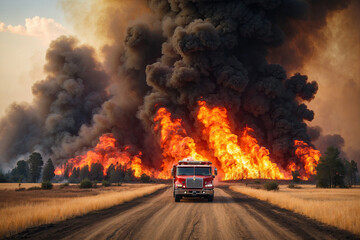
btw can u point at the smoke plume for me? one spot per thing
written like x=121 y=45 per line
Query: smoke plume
x=173 y=54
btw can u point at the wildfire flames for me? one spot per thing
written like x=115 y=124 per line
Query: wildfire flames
x=174 y=141
x=308 y=156
x=107 y=153
x=240 y=157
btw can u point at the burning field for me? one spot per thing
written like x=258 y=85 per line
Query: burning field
x=176 y=79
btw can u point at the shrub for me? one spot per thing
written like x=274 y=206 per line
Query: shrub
x=271 y=185
x=94 y=184
x=86 y=183
x=257 y=182
x=119 y=183
x=291 y=185
x=64 y=185
x=33 y=188
x=46 y=185
x=19 y=189
x=105 y=183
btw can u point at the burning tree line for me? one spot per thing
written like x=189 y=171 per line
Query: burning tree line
x=34 y=170
x=332 y=171
x=191 y=78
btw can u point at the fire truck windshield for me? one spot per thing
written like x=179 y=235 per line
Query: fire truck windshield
x=190 y=171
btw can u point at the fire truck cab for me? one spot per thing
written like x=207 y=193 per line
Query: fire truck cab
x=193 y=179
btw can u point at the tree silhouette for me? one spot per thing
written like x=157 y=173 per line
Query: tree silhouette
x=20 y=171
x=296 y=176
x=84 y=172
x=35 y=166
x=49 y=171
x=351 y=170
x=96 y=172
x=331 y=169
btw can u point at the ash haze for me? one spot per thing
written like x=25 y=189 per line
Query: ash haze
x=141 y=53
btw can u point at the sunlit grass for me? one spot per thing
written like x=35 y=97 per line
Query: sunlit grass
x=337 y=207
x=13 y=186
x=29 y=214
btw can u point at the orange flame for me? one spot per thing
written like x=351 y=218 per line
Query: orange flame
x=175 y=143
x=106 y=153
x=308 y=156
x=239 y=159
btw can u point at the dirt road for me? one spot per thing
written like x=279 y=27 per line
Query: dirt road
x=231 y=216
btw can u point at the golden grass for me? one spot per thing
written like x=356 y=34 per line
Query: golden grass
x=17 y=218
x=336 y=207
x=13 y=186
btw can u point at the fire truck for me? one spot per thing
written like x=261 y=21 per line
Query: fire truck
x=193 y=179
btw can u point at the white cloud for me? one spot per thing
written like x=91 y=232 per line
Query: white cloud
x=46 y=29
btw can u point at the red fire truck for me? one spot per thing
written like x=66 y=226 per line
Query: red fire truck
x=193 y=179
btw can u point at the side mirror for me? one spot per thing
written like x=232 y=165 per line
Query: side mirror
x=215 y=171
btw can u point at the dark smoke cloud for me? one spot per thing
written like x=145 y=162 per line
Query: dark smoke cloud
x=125 y=63
x=217 y=50
x=67 y=99
x=175 y=54
x=324 y=141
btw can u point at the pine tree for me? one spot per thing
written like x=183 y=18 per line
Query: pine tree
x=353 y=171
x=84 y=172
x=331 y=169
x=96 y=172
x=20 y=171
x=115 y=173
x=49 y=171
x=75 y=173
x=35 y=166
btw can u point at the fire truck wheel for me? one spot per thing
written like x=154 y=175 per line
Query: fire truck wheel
x=210 y=198
x=177 y=198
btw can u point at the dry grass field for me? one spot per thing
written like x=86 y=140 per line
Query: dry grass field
x=13 y=186
x=23 y=209
x=337 y=207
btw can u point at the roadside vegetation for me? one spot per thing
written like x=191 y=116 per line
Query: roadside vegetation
x=339 y=207
x=336 y=207
x=271 y=185
x=333 y=171
x=21 y=210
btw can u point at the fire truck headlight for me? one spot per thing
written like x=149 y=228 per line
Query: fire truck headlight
x=179 y=185
x=209 y=185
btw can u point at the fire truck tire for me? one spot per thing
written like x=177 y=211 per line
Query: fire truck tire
x=210 y=198
x=177 y=198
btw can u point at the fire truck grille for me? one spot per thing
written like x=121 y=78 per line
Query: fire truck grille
x=194 y=183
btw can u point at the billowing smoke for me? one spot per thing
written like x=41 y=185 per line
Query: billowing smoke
x=176 y=53
x=323 y=141
x=74 y=90
x=216 y=51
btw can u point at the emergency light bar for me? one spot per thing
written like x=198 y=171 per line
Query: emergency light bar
x=187 y=162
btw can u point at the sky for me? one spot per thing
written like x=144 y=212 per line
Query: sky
x=26 y=29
